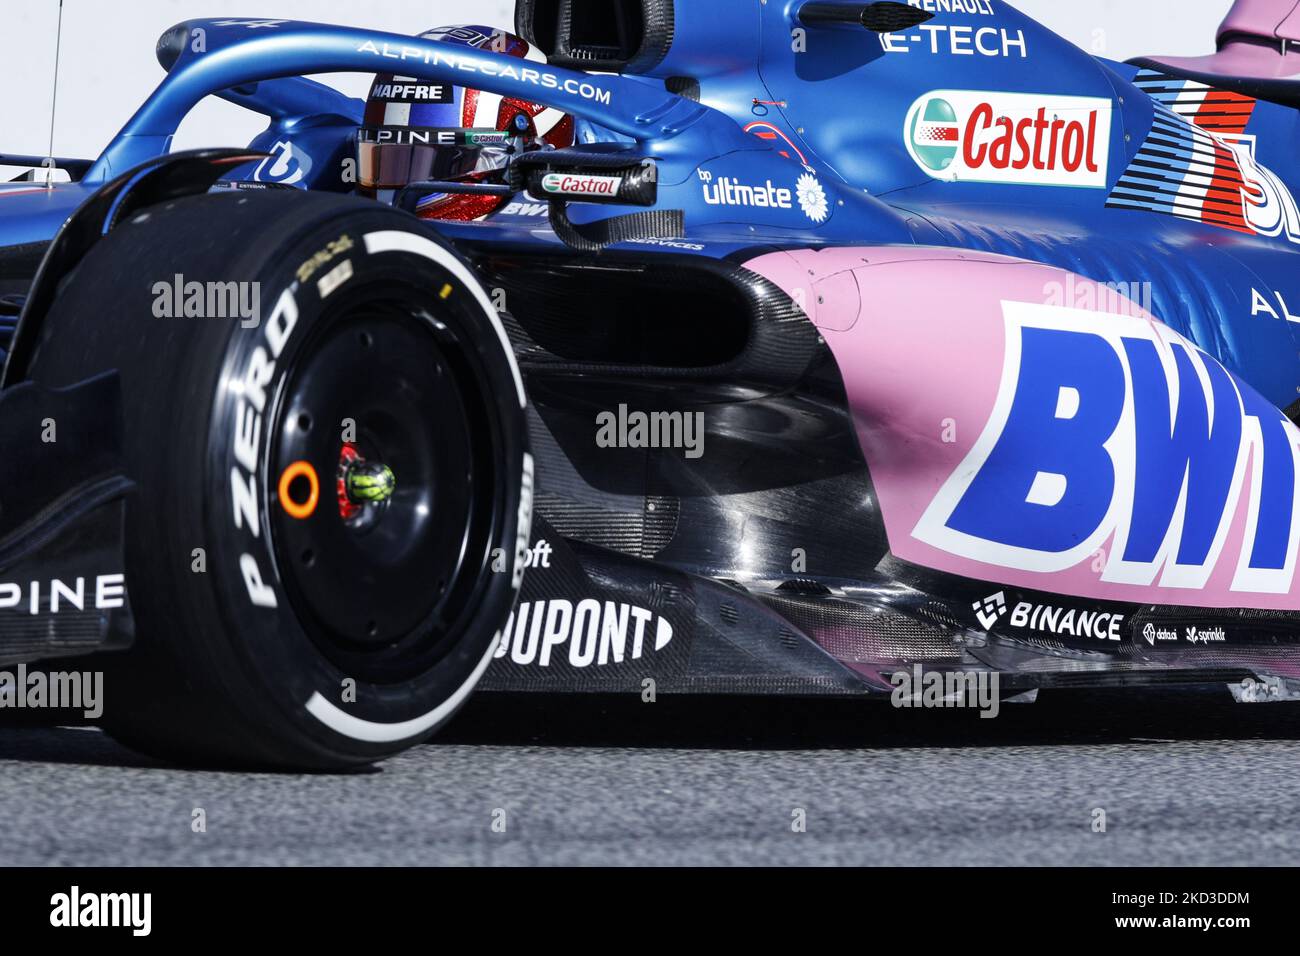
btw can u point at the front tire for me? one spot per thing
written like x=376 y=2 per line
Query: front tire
x=315 y=547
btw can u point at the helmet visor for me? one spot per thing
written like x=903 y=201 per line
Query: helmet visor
x=394 y=157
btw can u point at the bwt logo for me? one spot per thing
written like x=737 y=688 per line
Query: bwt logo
x=1111 y=426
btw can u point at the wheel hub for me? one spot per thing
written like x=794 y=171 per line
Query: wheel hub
x=380 y=579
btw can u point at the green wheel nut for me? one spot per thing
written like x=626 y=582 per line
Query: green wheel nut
x=370 y=483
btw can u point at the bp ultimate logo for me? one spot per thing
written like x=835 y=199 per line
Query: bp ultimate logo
x=1114 y=435
x=1023 y=138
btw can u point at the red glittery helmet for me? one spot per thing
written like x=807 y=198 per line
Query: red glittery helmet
x=417 y=131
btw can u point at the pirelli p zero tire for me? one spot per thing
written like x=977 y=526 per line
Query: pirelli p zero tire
x=334 y=496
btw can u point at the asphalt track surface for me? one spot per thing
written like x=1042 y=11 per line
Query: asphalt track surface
x=1182 y=781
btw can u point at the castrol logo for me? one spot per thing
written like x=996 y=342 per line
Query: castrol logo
x=1027 y=139
x=573 y=184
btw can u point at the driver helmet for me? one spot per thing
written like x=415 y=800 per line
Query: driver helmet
x=422 y=131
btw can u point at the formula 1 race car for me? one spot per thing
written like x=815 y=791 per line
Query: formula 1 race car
x=736 y=347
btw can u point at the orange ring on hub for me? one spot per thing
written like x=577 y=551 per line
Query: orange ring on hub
x=299 y=469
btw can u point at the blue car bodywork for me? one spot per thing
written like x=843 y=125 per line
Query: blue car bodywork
x=835 y=105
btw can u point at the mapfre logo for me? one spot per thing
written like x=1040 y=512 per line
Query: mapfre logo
x=1023 y=138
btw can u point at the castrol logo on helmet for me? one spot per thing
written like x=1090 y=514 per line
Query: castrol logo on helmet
x=571 y=184
x=1022 y=138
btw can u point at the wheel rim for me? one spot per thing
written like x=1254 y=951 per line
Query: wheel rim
x=381 y=578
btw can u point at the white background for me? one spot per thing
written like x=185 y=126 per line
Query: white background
x=108 y=65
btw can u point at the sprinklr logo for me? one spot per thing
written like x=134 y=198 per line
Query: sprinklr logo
x=1205 y=635
x=989 y=610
